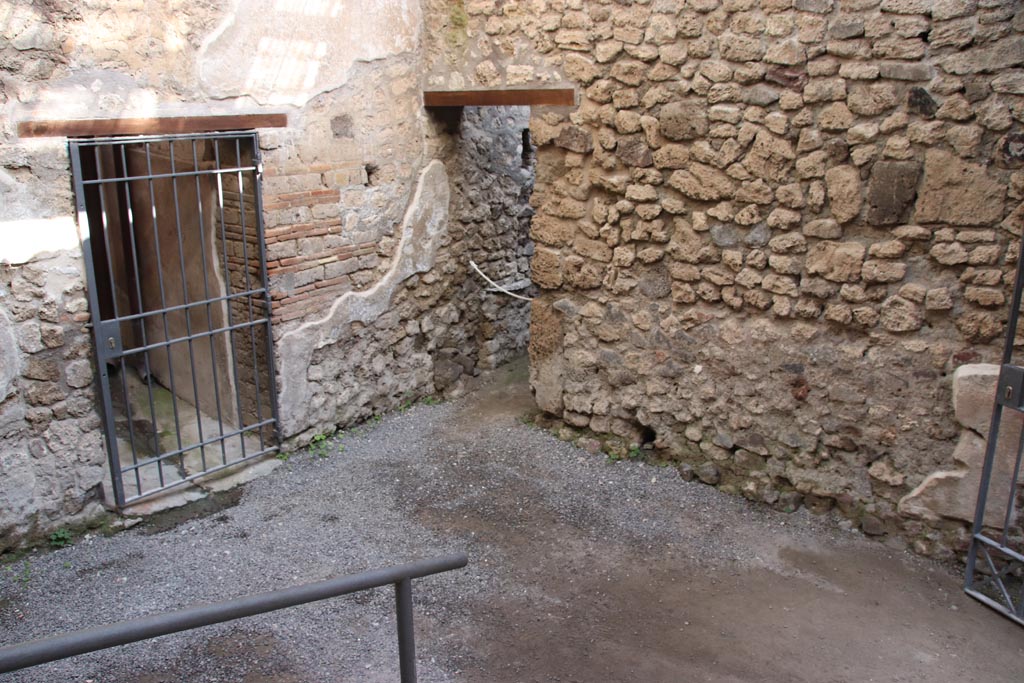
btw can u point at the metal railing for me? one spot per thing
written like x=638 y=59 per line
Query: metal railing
x=101 y=637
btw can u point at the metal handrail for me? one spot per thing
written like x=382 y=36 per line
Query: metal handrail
x=66 y=645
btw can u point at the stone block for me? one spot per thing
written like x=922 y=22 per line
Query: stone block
x=844 y=192
x=634 y=152
x=883 y=271
x=951 y=9
x=907 y=6
x=741 y=48
x=1010 y=82
x=787 y=53
x=552 y=231
x=836 y=261
x=546 y=356
x=953 y=494
x=1009 y=150
x=702 y=182
x=974 y=390
x=546 y=268
x=900 y=315
x=958 y=192
x=872 y=100
x=78 y=373
x=986 y=59
x=903 y=71
x=685 y=120
x=823 y=228
x=770 y=157
x=575 y=139
x=892 y=189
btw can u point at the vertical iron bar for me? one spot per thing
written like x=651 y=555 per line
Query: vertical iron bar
x=187 y=313
x=230 y=285
x=206 y=296
x=1010 y=504
x=1020 y=601
x=131 y=424
x=248 y=288
x=163 y=296
x=260 y=240
x=85 y=227
x=142 y=322
x=105 y=222
x=993 y=431
x=406 y=634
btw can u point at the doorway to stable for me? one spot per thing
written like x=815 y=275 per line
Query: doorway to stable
x=176 y=272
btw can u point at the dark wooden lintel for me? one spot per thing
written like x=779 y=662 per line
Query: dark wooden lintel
x=154 y=126
x=492 y=98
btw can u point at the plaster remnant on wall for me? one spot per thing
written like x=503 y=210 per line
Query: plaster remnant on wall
x=26 y=239
x=10 y=359
x=952 y=494
x=423 y=225
x=287 y=53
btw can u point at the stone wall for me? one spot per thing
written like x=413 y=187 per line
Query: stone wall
x=372 y=210
x=769 y=232
x=51 y=452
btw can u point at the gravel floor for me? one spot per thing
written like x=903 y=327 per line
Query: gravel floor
x=580 y=570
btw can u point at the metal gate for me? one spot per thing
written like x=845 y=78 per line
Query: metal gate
x=995 y=561
x=176 y=271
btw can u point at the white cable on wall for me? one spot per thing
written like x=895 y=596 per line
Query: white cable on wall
x=496 y=286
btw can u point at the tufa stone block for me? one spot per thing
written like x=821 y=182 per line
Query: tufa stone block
x=892 y=189
x=958 y=192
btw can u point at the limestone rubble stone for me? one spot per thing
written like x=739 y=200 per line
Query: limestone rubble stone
x=836 y=261
x=892 y=188
x=957 y=192
x=952 y=493
x=844 y=192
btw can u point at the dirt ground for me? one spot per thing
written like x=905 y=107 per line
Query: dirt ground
x=580 y=570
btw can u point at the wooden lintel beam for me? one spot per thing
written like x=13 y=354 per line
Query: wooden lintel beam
x=559 y=97
x=154 y=126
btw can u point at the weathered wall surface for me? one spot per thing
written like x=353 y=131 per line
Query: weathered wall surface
x=51 y=451
x=372 y=211
x=769 y=232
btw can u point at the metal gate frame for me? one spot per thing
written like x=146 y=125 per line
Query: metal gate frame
x=107 y=339
x=1002 y=561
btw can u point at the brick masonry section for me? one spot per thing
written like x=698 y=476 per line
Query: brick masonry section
x=311 y=260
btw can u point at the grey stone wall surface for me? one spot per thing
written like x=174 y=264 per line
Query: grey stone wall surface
x=51 y=453
x=768 y=234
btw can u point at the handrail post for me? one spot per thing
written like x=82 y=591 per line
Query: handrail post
x=13 y=657
x=406 y=636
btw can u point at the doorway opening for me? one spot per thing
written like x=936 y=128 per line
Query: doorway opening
x=176 y=271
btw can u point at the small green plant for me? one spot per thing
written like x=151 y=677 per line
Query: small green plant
x=634 y=453
x=22 y=577
x=406 y=404
x=432 y=401
x=61 y=538
x=319 y=446
x=283 y=457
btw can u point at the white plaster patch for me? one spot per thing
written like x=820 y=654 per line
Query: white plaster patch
x=282 y=52
x=424 y=223
x=22 y=240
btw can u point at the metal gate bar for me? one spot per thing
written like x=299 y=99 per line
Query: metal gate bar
x=1002 y=586
x=119 y=189
x=37 y=652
